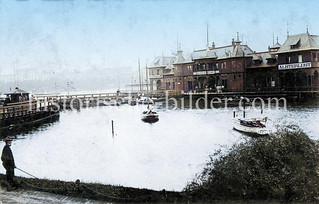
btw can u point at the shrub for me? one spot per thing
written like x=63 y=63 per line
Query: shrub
x=283 y=166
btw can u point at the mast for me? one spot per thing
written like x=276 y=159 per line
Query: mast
x=146 y=79
x=139 y=73
x=207 y=40
x=132 y=83
x=118 y=81
x=177 y=43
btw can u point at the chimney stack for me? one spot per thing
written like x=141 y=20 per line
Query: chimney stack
x=213 y=45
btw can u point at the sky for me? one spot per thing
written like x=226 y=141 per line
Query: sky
x=86 y=34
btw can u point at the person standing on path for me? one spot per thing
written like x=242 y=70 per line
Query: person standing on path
x=8 y=162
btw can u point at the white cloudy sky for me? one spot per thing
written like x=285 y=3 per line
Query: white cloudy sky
x=83 y=34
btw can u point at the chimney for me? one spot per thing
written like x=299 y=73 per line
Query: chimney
x=213 y=45
x=233 y=42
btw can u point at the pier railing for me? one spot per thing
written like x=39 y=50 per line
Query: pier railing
x=22 y=116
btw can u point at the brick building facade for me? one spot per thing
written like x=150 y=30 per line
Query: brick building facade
x=236 y=68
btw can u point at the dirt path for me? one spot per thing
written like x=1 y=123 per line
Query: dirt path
x=35 y=197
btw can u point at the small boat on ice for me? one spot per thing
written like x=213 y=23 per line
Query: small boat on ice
x=150 y=116
x=252 y=126
x=145 y=101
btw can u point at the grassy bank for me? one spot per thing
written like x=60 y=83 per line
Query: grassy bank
x=95 y=191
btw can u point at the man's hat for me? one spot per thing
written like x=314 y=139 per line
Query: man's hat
x=7 y=139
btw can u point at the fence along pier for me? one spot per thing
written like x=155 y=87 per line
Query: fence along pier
x=20 y=117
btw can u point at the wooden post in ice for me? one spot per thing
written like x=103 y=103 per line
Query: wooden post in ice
x=112 y=129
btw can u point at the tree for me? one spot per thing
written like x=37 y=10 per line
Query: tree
x=283 y=166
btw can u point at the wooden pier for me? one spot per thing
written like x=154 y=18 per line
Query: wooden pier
x=78 y=101
x=24 y=116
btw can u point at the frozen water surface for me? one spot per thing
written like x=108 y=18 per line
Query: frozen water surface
x=163 y=155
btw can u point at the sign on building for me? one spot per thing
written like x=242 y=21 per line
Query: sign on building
x=294 y=66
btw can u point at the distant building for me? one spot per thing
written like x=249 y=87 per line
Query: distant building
x=156 y=71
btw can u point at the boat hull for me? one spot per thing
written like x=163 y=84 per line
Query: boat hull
x=150 y=118
x=262 y=131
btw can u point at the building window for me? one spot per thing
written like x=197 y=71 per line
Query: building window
x=216 y=66
x=167 y=85
x=224 y=83
x=288 y=59
x=271 y=61
x=295 y=45
x=223 y=65
x=299 y=58
x=210 y=67
x=233 y=63
x=158 y=72
x=234 y=77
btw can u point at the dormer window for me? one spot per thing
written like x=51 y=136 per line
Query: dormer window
x=271 y=61
x=295 y=44
x=256 y=62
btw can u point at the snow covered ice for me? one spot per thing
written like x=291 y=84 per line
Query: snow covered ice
x=163 y=155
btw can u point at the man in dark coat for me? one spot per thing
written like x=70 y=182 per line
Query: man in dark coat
x=8 y=162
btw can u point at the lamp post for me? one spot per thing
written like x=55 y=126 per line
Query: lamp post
x=68 y=85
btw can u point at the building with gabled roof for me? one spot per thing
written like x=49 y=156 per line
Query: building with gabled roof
x=292 y=66
x=221 y=66
x=183 y=72
x=300 y=42
x=298 y=62
x=262 y=72
x=156 y=70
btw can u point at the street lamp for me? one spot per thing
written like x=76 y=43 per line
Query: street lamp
x=68 y=85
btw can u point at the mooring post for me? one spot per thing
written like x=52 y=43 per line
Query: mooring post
x=112 y=129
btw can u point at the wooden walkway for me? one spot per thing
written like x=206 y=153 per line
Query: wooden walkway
x=23 y=116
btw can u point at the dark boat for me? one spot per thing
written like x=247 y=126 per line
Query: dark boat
x=150 y=116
